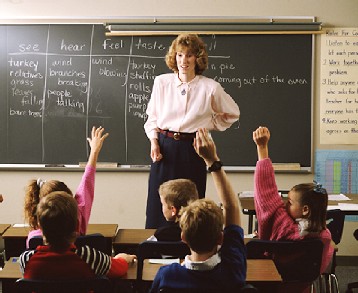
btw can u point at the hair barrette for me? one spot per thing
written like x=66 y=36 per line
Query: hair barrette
x=40 y=182
x=318 y=188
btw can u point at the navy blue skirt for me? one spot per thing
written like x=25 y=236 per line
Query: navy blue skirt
x=179 y=161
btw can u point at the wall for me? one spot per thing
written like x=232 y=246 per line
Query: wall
x=121 y=197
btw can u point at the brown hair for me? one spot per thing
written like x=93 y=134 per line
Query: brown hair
x=33 y=195
x=202 y=223
x=178 y=192
x=57 y=216
x=316 y=200
x=195 y=45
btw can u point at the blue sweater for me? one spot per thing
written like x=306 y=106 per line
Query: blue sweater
x=227 y=276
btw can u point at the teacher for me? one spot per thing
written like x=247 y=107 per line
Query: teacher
x=180 y=103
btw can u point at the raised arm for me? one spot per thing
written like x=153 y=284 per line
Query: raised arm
x=205 y=147
x=96 y=141
x=261 y=137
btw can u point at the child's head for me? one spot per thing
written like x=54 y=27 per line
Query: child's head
x=57 y=218
x=202 y=223
x=188 y=43
x=175 y=194
x=36 y=190
x=309 y=201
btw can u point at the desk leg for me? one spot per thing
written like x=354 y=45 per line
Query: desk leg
x=8 y=286
x=251 y=218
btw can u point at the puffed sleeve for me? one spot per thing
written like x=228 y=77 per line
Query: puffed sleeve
x=150 y=126
x=226 y=111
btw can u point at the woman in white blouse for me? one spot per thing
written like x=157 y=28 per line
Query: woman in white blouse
x=181 y=103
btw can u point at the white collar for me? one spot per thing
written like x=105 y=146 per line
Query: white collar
x=205 y=265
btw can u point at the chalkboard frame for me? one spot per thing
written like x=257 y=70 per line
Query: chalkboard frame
x=137 y=167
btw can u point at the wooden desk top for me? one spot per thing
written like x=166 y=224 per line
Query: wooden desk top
x=258 y=270
x=132 y=236
x=107 y=230
x=3 y=228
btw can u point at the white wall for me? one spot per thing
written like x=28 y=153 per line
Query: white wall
x=121 y=196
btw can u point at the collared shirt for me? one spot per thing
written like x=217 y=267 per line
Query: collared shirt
x=187 y=106
x=205 y=265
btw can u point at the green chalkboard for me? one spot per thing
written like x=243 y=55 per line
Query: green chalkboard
x=57 y=81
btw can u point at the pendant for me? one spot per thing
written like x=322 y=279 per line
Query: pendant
x=183 y=92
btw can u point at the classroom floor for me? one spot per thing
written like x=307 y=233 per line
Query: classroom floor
x=345 y=275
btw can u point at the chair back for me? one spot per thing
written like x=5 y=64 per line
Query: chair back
x=335 y=224
x=96 y=240
x=296 y=261
x=156 y=250
x=95 y=285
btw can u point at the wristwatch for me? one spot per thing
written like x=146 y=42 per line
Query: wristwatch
x=216 y=166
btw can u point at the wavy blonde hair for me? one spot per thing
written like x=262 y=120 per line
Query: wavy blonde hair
x=202 y=224
x=193 y=44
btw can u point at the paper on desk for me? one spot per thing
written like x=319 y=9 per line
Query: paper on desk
x=344 y=207
x=246 y=194
x=164 y=261
x=338 y=197
x=21 y=225
x=348 y=206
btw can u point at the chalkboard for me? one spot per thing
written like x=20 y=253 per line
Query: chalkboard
x=57 y=81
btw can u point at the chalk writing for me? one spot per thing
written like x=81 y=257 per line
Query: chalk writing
x=339 y=92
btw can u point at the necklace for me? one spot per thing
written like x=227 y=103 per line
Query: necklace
x=184 y=91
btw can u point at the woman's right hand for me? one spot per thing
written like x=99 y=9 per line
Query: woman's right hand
x=155 y=153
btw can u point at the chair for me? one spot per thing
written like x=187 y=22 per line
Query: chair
x=296 y=261
x=156 y=250
x=96 y=285
x=353 y=285
x=335 y=224
x=96 y=240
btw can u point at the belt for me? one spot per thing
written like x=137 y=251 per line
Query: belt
x=177 y=135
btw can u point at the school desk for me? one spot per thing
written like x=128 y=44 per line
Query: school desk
x=3 y=228
x=248 y=207
x=15 y=237
x=127 y=240
x=260 y=273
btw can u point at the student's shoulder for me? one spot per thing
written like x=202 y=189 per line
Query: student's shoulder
x=86 y=252
x=233 y=232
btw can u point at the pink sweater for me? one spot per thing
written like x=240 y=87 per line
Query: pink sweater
x=274 y=223
x=84 y=197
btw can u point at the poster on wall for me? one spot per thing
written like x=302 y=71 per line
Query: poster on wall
x=339 y=86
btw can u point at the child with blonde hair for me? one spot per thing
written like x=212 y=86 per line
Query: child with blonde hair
x=205 y=228
x=174 y=195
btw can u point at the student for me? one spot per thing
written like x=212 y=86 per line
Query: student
x=182 y=102
x=39 y=188
x=57 y=215
x=174 y=194
x=304 y=214
x=202 y=221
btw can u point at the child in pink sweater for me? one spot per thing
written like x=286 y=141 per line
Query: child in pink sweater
x=39 y=188
x=304 y=214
